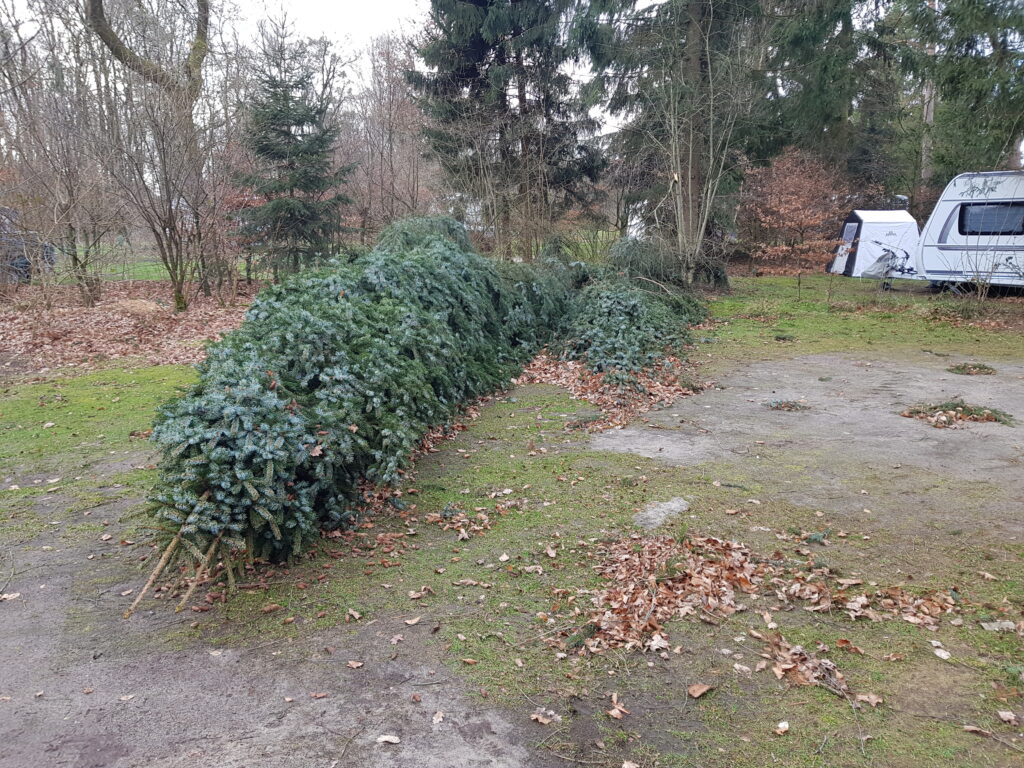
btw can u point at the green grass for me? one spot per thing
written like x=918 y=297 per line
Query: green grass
x=77 y=418
x=55 y=437
x=134 y=270
x=771 y=317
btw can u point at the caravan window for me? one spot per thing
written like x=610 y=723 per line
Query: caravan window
x=992 y=218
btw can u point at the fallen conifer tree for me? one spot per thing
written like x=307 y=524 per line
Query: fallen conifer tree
x=336 y=375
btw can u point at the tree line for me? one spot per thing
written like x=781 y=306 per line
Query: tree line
x=129 y=122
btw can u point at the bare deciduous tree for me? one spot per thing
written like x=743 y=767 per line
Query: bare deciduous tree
x=384 y=140
x=162 y=152
x=54 y=137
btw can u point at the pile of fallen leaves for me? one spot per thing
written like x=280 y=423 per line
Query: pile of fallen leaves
x=133 y=319
x=658 y=386
x=924 y=610
x=654 y=579
x=797 y=665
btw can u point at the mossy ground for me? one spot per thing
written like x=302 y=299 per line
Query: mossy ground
x=569 y=499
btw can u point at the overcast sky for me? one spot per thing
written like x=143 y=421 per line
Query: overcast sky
x=351 y=22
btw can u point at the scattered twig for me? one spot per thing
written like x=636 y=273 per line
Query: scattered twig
x=165 y=558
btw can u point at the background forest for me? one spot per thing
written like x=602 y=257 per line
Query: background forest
x=150 y=135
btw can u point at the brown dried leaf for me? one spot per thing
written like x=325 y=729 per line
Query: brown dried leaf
x=869 y=698
x=847 y=646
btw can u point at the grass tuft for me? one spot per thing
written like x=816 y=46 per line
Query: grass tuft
x=972 y=369
x=786 y=405
x=947 y=413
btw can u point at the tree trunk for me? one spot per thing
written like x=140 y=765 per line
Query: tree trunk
x=694 y=74
x=89 y=286
x=1015 y=160
x=928 y=99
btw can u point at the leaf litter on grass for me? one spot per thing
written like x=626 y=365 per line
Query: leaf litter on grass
x=653 y=579
x=656 y=386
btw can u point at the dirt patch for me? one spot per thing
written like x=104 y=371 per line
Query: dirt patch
x=660 y=512
x=90 y=690
x=852 y=439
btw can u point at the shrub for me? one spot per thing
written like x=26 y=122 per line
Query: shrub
x=791 y=210
x=332 y=379
x=643 y=258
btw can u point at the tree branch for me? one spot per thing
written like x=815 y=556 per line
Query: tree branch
x=148 y=69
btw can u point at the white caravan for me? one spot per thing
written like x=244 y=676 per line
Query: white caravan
x=878 y=244
x=976 y=232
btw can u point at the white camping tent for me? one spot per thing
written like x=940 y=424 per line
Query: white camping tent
x=879 y=244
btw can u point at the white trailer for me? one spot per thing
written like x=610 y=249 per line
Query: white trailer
x=878 y=244
x=976 y=232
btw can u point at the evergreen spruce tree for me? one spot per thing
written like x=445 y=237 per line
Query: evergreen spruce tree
x=292 y=134
x=509 y=127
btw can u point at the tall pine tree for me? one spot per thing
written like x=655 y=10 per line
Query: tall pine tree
x=292 y=134
x=509 y=127
x=973 y=50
